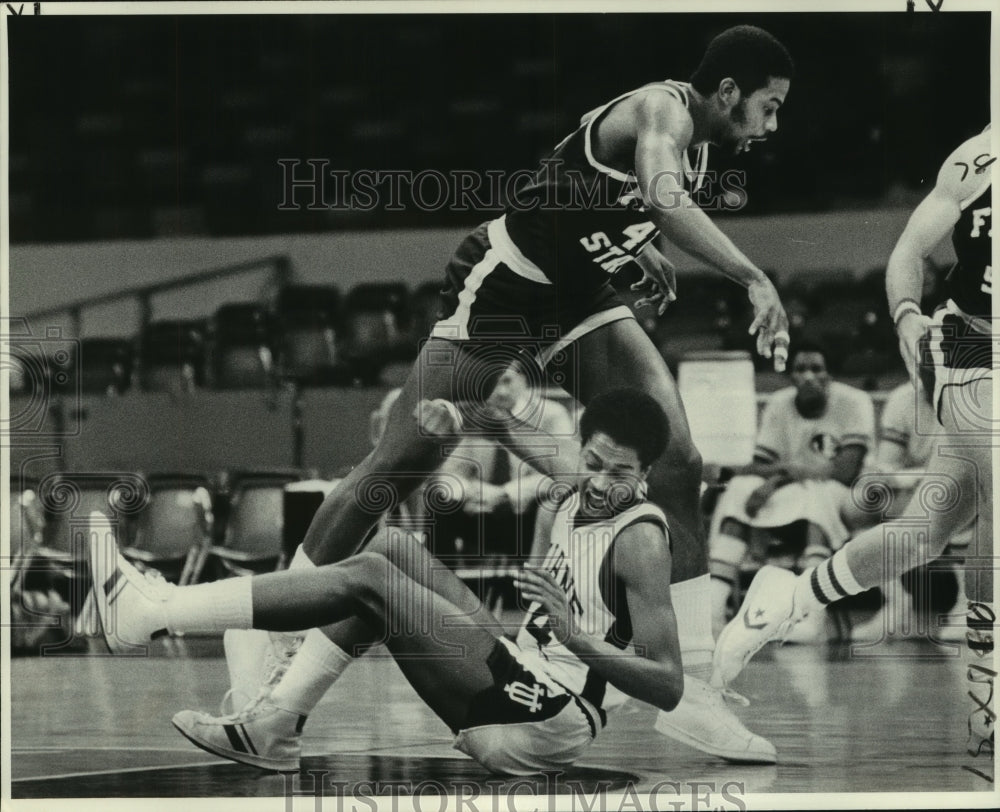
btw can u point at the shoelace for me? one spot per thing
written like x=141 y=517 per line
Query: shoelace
x=276 y=662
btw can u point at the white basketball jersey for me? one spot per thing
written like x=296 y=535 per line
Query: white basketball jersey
x=580 y=559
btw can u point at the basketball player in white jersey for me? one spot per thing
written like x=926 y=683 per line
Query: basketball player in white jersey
x=535 y=281
x=600 y=625
x=954 y=355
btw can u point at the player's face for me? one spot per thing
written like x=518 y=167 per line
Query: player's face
x=754 y=117
x=811 y=379
x=611 y=476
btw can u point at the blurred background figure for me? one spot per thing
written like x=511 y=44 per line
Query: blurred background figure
x=491 y=496
x=788 y=507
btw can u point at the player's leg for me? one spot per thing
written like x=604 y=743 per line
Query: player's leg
x=443 y=651
x=276 y=716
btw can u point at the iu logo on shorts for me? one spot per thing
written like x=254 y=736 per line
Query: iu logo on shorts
x=527 y=695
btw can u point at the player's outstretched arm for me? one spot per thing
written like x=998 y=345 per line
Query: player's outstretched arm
x=663 y=129
x=958 y=179
x=642 y=563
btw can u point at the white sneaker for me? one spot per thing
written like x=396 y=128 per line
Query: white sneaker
x=704 y=721
x=809 y=631
x=129 y=603
x=261 y=735
x=768 y=612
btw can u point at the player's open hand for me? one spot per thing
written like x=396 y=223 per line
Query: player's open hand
x=438 y=418
x=659 y=280
x=770 y=324
x=538 y=585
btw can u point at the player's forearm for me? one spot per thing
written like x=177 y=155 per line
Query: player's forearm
x=690 y=229
x=904 y=275
x=659 y=683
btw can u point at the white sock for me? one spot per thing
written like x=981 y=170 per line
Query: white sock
x=692 y=600
x=316 y=666
x=214 y=607
x=826 y=583
x=300 y=560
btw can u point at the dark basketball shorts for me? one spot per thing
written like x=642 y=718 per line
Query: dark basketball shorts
x=525 y=722
x=953 y=354
x=494 y=294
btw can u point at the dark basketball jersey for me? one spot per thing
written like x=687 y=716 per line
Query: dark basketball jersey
x=578 y=220
x=970 y=282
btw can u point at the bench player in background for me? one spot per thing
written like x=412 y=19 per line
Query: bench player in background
x=954 y=356
x=535 y=281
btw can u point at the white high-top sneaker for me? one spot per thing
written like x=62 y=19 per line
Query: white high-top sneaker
x=703 y=720
x=260 y=735
x=129 y=603
x=767 y=613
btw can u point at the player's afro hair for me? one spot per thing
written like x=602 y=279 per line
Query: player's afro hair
x=746 y=54
x=631 y=418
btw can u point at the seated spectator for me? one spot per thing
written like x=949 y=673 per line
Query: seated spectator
x=490 y=496
x=908 y=437
x=811 y=445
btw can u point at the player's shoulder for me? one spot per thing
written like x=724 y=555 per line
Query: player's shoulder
x=843 y=395
x=642 y=544
x=967 y=170
x=782 y=400
x=660 y=105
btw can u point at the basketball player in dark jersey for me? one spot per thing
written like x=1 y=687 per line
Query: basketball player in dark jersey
x=954 y=355
x=535 y=281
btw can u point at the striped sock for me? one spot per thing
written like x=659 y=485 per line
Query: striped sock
x=833 y=580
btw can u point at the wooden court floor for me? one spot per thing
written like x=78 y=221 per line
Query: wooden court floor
x=891 y=718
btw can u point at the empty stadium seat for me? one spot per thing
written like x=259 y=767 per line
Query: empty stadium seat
x=241 y=348
x=172 y=356
x=105 y=365
x=308 y=322
x=253 y=509
x=173 y=530
x=375 y=320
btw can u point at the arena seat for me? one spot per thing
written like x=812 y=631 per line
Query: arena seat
x=105 y=365
x=252 y=510
x=172 y=356
x=308 y=320
x=242 y=355
x=375 y=318
x=173 y=531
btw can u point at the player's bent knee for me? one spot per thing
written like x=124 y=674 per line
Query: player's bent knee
x=367 y=574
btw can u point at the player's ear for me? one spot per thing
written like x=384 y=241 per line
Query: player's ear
x=729 y=92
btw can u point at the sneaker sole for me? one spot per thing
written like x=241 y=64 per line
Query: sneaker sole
x=734 y=756
x=249 y=759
